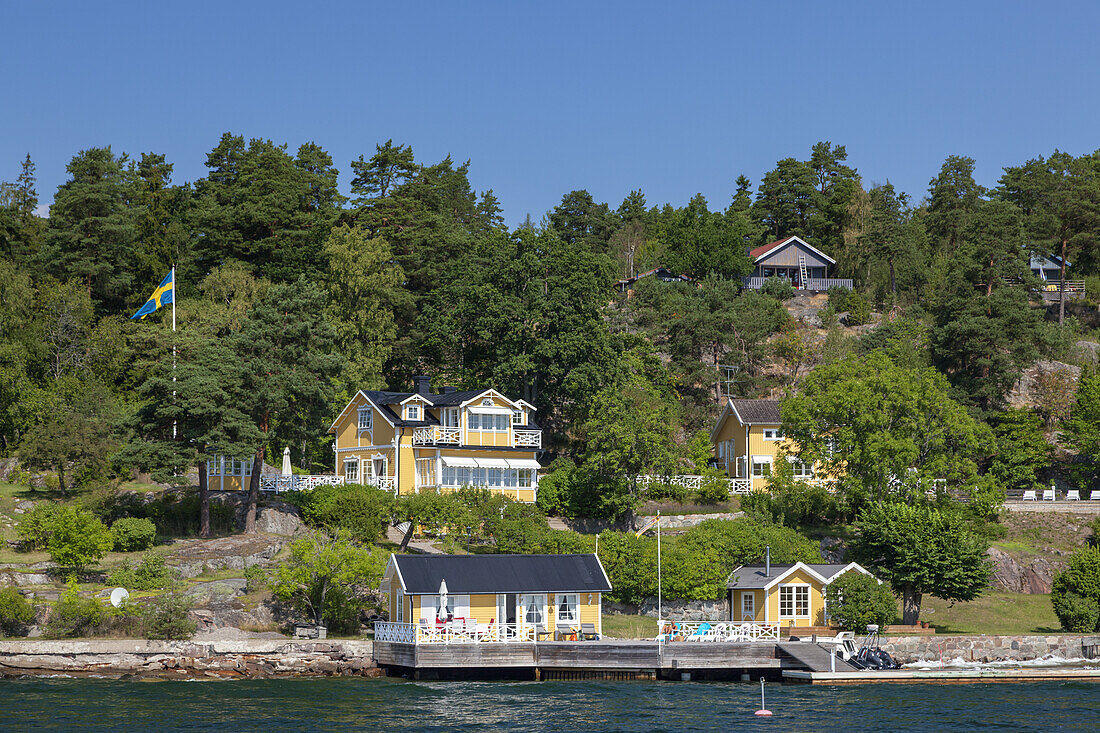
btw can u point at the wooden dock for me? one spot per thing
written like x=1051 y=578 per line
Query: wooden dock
x=940 y=676
x=590 y=660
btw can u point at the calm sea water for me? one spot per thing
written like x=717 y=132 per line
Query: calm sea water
x=397 y=705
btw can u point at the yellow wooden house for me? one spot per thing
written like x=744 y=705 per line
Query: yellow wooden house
x=408 y=442
x=790 y=595
x=510 y=596
x=748 y=440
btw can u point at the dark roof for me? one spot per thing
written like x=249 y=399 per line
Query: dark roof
x=758 y=412
x=422 y=574
x=455 y=398
x=752 y=576
x=385 y=399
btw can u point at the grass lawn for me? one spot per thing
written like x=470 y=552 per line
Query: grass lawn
x=993 y=613
x=622 y=626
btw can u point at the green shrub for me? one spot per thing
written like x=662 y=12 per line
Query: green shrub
x=131 y=534
x=360 y=512
x=1077 y=588
x=37 y=525
x=631 y=564
x=149 y=574
x=1077 y=614
x=15 y=612
x=778 y=288
x=855 y=600
x=73 y=615
x=859 y=310
x=174 y=514
x=165 y=616
x=78 y=539
x=713 y=490
x=666 y=492
x=255 y=578
x=828 y=317
x=838 y=298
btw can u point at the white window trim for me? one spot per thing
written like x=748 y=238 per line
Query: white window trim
x=749 y=596
x=409 y=410
x=770 y=460
x=794 y=600
x=777 y=433
x=446 y=414
x=518 y=418
x=369 y=414
x=576 y=615
x=795 y=462
x=358 y=473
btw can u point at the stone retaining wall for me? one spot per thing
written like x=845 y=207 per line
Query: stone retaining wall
x=906 y=649
x=184 y=659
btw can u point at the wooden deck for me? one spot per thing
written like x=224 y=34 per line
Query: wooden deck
x=594 y=656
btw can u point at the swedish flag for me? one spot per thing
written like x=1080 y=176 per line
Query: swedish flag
x=165 y=294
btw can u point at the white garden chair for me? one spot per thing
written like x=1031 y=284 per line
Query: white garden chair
x=1073 y=495
x=1048 y=494
x=1094 y=495
x=1029 y=495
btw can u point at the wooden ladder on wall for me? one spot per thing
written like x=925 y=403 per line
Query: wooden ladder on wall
x=802 y=271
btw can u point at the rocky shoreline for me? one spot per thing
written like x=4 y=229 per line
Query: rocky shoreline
x=200 y=659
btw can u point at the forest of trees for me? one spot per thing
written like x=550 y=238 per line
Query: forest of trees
x=292 y=296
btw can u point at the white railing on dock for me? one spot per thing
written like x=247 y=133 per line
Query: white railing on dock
x=461 y=631
x=692 y=482
x=298 y=483
x=717 y=631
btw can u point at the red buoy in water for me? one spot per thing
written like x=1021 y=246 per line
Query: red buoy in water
x=763 y=712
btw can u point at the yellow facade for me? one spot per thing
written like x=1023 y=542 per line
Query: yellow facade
x=814 y=591
x=482 y=608
x=407 y=443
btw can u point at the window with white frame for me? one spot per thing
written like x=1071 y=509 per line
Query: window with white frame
x=494 y=423
x=366 y=418
x=794 y=601
x=800 y=469
x=412 y=412
x=351 y=470
x=830 y=446
x=517 y=417
x=567 y=608
x=761 y=466
x=400 y=602
x=741 y=468
x=455 y=476
x=448 y=417
x=773 y=434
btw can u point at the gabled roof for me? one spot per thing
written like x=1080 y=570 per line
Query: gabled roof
x=1050 y=262
x=422 y=574
x=756 y=412
x=762 y=251
x=749 y=577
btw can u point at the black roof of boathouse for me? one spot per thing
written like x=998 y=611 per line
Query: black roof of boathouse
x=422 y=574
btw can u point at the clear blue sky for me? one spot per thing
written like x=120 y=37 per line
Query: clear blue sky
x=543 y=98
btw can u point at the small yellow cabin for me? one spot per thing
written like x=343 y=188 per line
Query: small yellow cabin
x=407 y=442
x=508 y=596
x=790 y=595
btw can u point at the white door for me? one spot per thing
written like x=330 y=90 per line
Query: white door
x=748 y=607
x=532 y=610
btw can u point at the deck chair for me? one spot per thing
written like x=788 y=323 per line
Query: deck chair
x=471 y=628
x=1029 y=495
x=1048 y=494
x=588 y=632
x=1073 y=495
x=702 y=633
x=540 y=632
x=564 y=632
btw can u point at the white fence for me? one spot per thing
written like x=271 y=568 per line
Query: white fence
x=527 y=439
x=812 y=283
x=387 y=483
x=460 y=631
x=689 y=481
x=298 y=483
x=716 y=631
x=436 y=434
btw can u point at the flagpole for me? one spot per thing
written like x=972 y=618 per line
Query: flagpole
x=659 y=565
x=173 y=345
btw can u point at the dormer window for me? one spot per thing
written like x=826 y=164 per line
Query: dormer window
x=517 y=417
x=366 y=418
x=412 y=412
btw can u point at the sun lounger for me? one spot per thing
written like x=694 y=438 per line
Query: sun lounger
x=588 y=632
x=1029 y=495
x=1073 y=495
x=1048 y=494
x=564 y=632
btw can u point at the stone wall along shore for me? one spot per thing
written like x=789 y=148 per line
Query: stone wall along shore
x=985 y=649
x=187 y=659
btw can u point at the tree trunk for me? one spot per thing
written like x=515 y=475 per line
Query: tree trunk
x=910 y=606
x=1062 y=287
x=204 y=502
x=254 y=492
x=893 y=280
x=408 y=535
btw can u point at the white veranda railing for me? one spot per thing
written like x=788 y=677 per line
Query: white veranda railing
x=459 y=631
x=688 y=481
x=298 y=483
x=527 y=438
x=387 y=483
x=432 y=434
x=717 y=631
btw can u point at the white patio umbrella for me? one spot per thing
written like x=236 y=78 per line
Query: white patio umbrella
x=286 y=461
x=442 y=614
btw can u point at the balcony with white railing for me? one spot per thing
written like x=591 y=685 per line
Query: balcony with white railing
x=717 y=631
x=434 y=434
x=280 y=484
x=526 y=438
x=459 y=631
